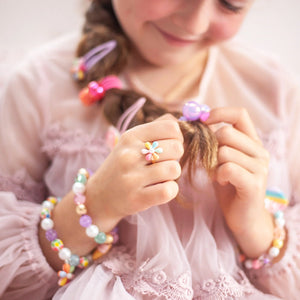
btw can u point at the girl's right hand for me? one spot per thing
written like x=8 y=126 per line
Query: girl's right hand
x=127 y=183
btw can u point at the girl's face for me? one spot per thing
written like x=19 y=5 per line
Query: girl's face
x=167 y=32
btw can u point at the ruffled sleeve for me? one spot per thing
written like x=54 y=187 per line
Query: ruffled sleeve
x=24 y=271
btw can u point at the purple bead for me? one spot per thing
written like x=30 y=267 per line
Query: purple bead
x=85 y=221
x=191 y=111
x=51 y=235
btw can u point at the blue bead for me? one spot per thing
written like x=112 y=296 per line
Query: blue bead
x=74 y=260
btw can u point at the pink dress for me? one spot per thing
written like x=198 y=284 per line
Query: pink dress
x=166 y=252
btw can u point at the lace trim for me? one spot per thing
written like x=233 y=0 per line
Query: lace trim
x=224 y=287
x=23 y=187
x=155 y=282
x=57 y=140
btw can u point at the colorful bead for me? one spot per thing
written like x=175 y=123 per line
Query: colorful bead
x=279 y=232
x=74 y=260
x=57 y=245
x=45 y=213
x=83 y=263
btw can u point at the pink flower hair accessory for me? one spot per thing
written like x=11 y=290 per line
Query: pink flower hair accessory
x=95 y=91
x=83 y=64
x=193 y=111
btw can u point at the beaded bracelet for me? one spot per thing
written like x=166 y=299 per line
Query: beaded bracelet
x=275 y=202
x=71 y=261
x=85 y=220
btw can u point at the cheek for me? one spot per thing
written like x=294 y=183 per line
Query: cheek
x=225 y=28
x=152 y=10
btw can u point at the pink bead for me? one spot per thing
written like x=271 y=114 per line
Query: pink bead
x=191 y=111
x=256 y=264
x=96 y=91
x=79 y=199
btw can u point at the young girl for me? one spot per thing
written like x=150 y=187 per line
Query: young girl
x=143 y=219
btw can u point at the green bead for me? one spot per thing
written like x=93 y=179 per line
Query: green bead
x=100 y=238
x=81 y=178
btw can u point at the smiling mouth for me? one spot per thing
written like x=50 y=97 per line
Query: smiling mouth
x=174 y=40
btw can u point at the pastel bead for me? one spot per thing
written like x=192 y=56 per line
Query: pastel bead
x=248 y=264
x=81 y=178
x=78 y=188
x=256 y=264
x=84 y=172
x=280 y=222
x=85 y=221
x=64 y=253
x=274 y=252
x=53 y=200
x=79 y=199
x=278 y=243
x=81 y=209
x=74 y=260
x=57 y=245
x=47 y=224
x=100 y=238
x=47 y=204
x=92 y=231
x=109 y=238
x=51 y=235
x=62 y=281
x=191 y=111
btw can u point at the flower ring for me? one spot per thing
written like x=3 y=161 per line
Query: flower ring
x=152 y=151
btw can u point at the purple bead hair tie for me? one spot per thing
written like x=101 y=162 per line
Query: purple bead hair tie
x=193 y=111
x=83 y=64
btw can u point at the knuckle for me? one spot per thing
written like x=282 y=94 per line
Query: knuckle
x=173 y=128
x=226 y=170
x=225 y=133
x=223 y=153
x=177 y=148
x=168 y=192
x=243 y=113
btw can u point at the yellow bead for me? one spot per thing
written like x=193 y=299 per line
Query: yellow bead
x=81 y=209
x=62 y=281
x=109 y=239
x=278 y=243
x=53 y=200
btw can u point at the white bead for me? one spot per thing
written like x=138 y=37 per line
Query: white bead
x=248 y=264
x=92 y=231
x=274 y=252
x=47 y=224
x=47 y=204
x=280 y=222
x=78 y=188
x=64 y=254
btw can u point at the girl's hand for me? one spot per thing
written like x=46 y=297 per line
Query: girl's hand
x=123 y=185
x=240 y=180
x=126 y=183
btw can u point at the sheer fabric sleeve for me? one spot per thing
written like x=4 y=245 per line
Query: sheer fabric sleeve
x=282 y=279
x=24 y=271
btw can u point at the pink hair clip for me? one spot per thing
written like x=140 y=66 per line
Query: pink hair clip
x=83 y=64
x=193 y=111
x=95 y=91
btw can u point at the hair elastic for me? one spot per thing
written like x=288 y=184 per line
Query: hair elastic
x=84 y=63
x=193 y=111
x=95 y=91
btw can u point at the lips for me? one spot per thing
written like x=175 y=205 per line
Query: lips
x=174 y=40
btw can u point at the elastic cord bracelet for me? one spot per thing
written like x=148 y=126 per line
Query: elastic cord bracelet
x=275 y=202
x=71 y=261
x=105 y=240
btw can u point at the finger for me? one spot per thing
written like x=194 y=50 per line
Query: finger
x=237 y=117
x=157 y=130
x=161 y=172
x=227 y=154
x=170 y=149
x=231 y=173
x=159 y=193
x=234 y=138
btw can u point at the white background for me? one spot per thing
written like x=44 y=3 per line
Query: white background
x=272 y=25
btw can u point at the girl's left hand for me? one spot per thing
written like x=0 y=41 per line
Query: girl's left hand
x=240 y=179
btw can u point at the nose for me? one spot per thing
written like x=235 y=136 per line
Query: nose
x=193 y=17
